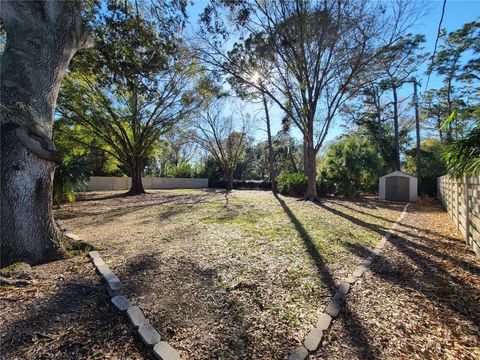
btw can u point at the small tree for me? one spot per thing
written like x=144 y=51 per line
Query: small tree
x=352 y=164
x=217 y=135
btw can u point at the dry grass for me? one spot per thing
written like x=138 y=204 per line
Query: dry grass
x=242 y=276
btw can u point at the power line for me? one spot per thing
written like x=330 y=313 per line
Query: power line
x=436 y=42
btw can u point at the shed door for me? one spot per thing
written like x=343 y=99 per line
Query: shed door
x=397 y=188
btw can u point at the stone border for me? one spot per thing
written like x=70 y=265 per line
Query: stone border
x=150 y=337
x=314 y=338
x=147 y=333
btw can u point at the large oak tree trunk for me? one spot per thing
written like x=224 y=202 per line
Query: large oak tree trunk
x=42 y=36
x=311 y=172
x=136 y=187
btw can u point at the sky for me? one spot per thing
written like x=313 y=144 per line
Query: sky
x=457 y=13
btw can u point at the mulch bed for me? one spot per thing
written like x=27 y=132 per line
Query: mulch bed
x=64 y=313
x=420 y=300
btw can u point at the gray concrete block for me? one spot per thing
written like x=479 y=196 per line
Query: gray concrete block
x=94 y=254
x=351 y=279
x=333 y=308
x=300 y=353
x=105 y=271
x=324 y=321
x=114 y=284
x=135 y=316
x=359 y=270
x=148 y=334
x=313 y=339
x=163 y=351
x=73 y=236
x=121 y=302
x=366 y=263
x=98 y=261
x=344 y=287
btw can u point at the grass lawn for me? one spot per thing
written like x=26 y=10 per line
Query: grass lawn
x=242 y=276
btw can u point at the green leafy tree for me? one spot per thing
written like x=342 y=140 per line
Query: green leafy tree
x=134 y=86
x=181 y=170
x=396 y=67
x=458 y=62
x=432 y=164
x=463 y=156
x=351 y=164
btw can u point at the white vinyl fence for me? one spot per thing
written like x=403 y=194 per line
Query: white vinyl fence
x=461 y=198
x=102 y=183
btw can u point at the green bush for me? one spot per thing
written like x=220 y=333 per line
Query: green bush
x=182 y=170
x=350 y=165
x=293 y=184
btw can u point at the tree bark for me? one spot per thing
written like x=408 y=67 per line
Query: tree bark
x=271 y=162
x=395 y=128
x=229 y=177
x=136 y=171
x=418 y=160
x=311 y=172
x=42 y=37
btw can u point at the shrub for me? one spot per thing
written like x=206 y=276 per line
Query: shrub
x=350 y=165
x=243 y=184
x=182 y=170
x=293 y=184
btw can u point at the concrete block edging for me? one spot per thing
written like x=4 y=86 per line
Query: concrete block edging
x=147 y=333
x=313 y=340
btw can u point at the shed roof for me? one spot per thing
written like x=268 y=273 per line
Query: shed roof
x=398 y=173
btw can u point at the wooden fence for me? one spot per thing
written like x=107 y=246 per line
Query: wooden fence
x=461 y=198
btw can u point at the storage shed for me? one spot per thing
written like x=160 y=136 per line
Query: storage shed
x=398 y=186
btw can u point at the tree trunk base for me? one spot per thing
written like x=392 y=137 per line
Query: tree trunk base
x=28 y=231
x=133 y=192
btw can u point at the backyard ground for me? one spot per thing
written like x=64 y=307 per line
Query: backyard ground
x=242 y=276
x=245 y=277
x=420 y=299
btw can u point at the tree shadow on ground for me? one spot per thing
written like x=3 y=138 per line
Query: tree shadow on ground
x=358 y=334
x=426 y=276
x=381 y=230
x=428 y=231
x=120 y=209
x=323 y=271
x=71 y=322
x=186 y=304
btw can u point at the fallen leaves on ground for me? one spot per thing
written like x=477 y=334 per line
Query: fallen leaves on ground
x=421 y=299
